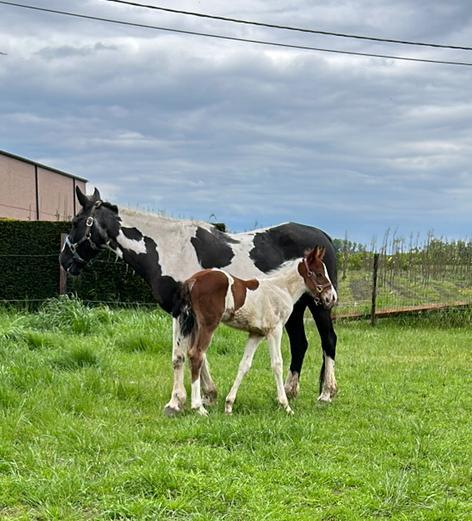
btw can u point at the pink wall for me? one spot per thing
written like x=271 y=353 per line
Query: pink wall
x=17 y=189
x=18 y=192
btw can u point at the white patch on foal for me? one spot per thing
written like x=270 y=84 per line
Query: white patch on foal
x=331 y=292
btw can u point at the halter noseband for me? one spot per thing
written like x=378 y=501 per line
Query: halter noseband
x=311 y=275
x=87 y=237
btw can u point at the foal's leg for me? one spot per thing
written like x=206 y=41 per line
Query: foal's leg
x=208 y=386
x=298 y=345
x=196 y=356
x=274 y=339
x=325 y=327
x=244 y=367
x=179 y=348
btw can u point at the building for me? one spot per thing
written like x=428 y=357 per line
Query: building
x=35 y=192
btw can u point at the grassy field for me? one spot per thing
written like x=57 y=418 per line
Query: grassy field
x=82 y=434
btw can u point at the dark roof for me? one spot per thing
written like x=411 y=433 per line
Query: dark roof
x=25 y=160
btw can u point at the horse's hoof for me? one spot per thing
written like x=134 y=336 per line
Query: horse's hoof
x=289 y=411
x=292 y=385
x=209 y=398
x=324 y=397
x=170 y=411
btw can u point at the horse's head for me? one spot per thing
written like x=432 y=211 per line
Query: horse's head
x=314 y=273
x=90 y=232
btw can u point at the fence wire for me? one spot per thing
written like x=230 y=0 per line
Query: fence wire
x=403 y=283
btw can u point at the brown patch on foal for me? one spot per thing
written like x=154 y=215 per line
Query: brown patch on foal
x=239 y=289
x=208 y=294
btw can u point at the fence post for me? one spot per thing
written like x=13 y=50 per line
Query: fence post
x=62 y=273
x=374 y=288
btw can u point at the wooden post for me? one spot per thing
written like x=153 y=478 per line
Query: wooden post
x=374 y=288
x=62 y=273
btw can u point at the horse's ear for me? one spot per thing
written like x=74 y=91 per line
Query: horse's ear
x=83 y=199
x=96 y=196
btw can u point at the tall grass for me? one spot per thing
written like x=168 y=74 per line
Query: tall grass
x=83 y=436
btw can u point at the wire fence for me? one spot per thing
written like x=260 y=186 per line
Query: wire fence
x=403 y=282
x=401 y=286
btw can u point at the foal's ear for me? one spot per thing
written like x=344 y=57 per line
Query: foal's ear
x=320 y=252
x=83 y=199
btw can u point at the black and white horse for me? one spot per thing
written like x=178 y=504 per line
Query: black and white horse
x=166 y=251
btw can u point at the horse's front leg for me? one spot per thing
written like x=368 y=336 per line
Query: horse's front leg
x=274 y=339
x=179 y=348
x=295 y=328
x=324 y=323
x=244 y=367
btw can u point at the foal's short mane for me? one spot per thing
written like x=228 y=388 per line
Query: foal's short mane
x=282 y=267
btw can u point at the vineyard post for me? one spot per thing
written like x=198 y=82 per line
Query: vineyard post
x=62 y=273
x=374 y=288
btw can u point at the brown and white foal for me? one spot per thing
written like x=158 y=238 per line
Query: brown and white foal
x=259 y=306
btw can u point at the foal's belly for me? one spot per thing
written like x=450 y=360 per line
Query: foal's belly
x=244 y=320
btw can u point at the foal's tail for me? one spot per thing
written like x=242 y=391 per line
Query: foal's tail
x=184 y=312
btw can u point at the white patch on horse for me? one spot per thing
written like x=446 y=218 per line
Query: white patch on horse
x=131 y=244
x=241 y=264
x=177 y=257
x=329 y=384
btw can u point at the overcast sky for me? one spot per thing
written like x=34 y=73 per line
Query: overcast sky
x=247 y=134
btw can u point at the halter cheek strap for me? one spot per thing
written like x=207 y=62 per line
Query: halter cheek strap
x=311 y=275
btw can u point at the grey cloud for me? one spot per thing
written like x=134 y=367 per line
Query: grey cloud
x=194 y=127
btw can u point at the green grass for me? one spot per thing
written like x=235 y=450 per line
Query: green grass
x=83 y=436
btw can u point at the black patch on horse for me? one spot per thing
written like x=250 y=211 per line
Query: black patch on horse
x=277 y=245
x=133 y=234
x=165 y=289
x=212 y=248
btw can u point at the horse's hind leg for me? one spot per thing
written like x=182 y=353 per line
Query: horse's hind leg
x=208 y=386
x=179 y=348
x=274 y=339
x=244 y=367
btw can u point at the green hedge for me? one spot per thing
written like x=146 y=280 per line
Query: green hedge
x=29 y=267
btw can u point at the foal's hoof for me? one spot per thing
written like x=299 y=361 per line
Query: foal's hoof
x=171 y=411
x=292 y=385
x=289 y=411
x=201 y=411
x=229 y=407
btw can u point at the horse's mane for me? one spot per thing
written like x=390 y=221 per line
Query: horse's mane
x=158 y=219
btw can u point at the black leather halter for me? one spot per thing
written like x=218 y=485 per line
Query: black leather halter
x=87 y=237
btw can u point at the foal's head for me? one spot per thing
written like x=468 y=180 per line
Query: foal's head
x=90 y=232
x=314 y=273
